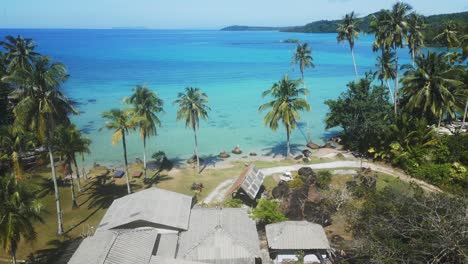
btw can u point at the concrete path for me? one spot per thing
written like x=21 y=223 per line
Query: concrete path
x=218 y=194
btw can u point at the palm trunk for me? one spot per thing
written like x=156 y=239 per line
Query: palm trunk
x=144 y=155
x=77 y=174
x=13 y=257
x=395 y=94
x=440 y=120
x=412 y=55
x=72 y=190
x=464 y=115
x=354 y=62
x=126 y=163
x=308 y=139
x=56 y=190
x=288 y=146
x=196 y=150
x=83 y=170
x=390 y=91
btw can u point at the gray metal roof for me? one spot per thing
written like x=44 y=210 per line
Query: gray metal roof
x=116 y=247
x=220 y=235
x=253 y=181
x=167 y=245
x=163 y=260
x=296 y=235
x=154 y=206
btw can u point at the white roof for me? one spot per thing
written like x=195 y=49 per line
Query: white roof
x=296 y=235
x=150 y=207
x=116 y=247
x=220 y=235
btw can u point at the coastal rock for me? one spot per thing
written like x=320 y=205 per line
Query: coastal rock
x=298 y=157
x=193 y=159
x=306 y=153
x=328 y=145
x=313 y=145
x=224 y=155
x=138 y=161
x=237 y=150
x=253 y=154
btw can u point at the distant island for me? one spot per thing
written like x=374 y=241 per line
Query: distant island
x=130 y=28
x=434 y=25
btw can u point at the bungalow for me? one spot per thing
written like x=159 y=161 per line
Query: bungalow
x=287 y=239
x=249 y=183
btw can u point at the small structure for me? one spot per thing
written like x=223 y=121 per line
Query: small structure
x=250 y=181
x=119 y=174
x=137 y=174
x=220 y=235
x=152 y=207
x=287 y=238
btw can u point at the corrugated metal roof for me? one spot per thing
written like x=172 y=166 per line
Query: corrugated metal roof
x=296 y=235
x=250 y=180
x=220 y=235
x=116 y=247
x=167 y=245
x=153 y=205
x=163 y=260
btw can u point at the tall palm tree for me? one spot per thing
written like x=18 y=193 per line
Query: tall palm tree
x=385 y=65
x=18 y=209
x=396 y=26
x=193 y=106
x=120 y=121
x=429 y=87
x=449 y=35
x=146 y=105
x=20 y=52
x=12 y=143
x=348 y=30
x=285 y=106
x=303 y=57
x=41 y=107
x=80 y=146
x=416 y=24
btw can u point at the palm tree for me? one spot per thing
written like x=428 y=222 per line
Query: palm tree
x=80 y=145
x=285 y=106
x=386 y=70
x=12 y=143
x=303 y=57
x=348 y=30
x=18 y=209
x=193 y=107
x=429 y=87
x=416 y=24
x=20 y=52
x=41 y=107
x=396 y=28
x=146 y=104
x=449 y=35
x=120 y=121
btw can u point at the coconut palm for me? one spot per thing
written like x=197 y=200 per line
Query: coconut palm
x=146 y=106
x=41 y=107
x=385 y=70
x=449 y=35
x=396 y=28
x=18 y=210
x=416 y=24
x=12 y=143
x=429 y=87
x=120 y=121
x=285 y=106
x=348 y=30
x=193 y=106
x=80 y=146
x=20 y=52
x=303 y=57
x=378 y=26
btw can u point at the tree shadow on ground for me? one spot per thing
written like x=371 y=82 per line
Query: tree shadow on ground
x=47 y=186
x=209 y=161
x=155 y=180
x=102 y=195
x=59 y=251
x=280 y=149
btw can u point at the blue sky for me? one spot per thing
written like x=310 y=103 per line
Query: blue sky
x=170 y=14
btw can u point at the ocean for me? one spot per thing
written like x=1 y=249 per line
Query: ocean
x=233 y=68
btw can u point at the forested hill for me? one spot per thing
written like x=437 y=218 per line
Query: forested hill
x=250 y=28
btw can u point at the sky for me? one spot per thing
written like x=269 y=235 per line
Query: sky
x=193 y=14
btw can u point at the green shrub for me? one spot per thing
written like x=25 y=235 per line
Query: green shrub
x=296 y=182
x=434 y=173
x=323 y=179
x=267 y=212
x=233 y=203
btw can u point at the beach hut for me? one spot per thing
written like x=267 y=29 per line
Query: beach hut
x=249 y=183
x=287 y=239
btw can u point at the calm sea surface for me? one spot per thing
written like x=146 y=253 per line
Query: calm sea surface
x=233 y=68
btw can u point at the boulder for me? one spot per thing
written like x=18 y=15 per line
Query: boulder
x=281 y=190
x=313 y=145
x=224 y=155
x=328 y=145
x=237 y=150
x=305 y=172
x=253 y=154
x=306 y=153
x=299 y=157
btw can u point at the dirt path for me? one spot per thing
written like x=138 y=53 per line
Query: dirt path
x=218 y=194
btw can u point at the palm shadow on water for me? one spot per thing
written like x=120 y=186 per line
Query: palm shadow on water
x=280 y=149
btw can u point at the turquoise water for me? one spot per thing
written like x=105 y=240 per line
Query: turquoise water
x=233 y=68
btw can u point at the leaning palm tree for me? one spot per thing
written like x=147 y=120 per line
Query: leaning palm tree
x=120 y=121
x=429 y=87
x=285 y=106
x=193 y=107
x=385 y=69
x=41 y=107
x=396 y=27
x=416 y=24
x=146 y=106
x=303 y=57
x=348 y=30
x=20 y=52
x=449 y=35
x=19 y=208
